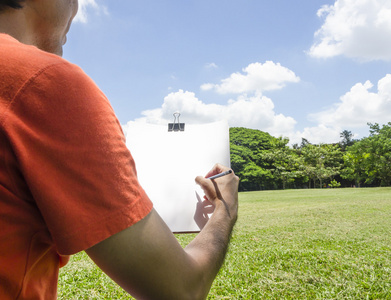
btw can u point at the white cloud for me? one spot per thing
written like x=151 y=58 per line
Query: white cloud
x=211 y=66
x=84 y=5
x=354 y=28
x=317 y=134
x=258 y=78
x=359 y=106
x=355 y=109
x=251 y=112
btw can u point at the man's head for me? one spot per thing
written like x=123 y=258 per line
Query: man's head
x=42 y=23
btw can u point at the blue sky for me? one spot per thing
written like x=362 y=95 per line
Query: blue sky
x=293 y=68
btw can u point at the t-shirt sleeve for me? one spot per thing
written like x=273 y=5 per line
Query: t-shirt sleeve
x=73 y=156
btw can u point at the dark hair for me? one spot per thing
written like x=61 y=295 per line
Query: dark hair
x=11 y=3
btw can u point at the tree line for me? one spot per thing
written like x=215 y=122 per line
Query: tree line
x=266 y=162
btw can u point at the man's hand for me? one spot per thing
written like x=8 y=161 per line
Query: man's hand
x=222 y=190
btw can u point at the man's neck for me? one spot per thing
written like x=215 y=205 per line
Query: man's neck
x=14 y=23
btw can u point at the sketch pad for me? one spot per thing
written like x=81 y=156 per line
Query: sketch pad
x=167 y=164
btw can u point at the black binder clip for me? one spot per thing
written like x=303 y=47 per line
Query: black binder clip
x=176 y=126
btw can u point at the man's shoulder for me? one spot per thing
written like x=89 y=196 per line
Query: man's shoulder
x=25 y=60
x=21 y=64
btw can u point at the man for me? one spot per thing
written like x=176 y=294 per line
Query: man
x=68 y=183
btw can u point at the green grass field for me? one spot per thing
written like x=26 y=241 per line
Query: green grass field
x=291 y=244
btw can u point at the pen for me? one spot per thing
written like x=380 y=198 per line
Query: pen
x=220 y=174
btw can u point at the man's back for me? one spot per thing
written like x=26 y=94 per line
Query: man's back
x=23 y=229
x=51 y=172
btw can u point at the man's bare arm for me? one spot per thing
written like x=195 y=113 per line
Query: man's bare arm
x=148 y=262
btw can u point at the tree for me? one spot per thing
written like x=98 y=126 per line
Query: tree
x=321 y=162
x=378 y=161
x=354 y=159
x=247 y=149
x=285 y=162
x=304 y=142
x=369 y=160
x=347 y=139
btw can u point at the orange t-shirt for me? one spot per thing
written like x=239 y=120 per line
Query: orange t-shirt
x=67 y=180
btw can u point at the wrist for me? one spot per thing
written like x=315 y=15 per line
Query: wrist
x=230 y=213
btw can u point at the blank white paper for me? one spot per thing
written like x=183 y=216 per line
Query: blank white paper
x=167 y=164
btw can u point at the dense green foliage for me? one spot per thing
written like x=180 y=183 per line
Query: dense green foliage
x=287 y=244
x=368 y=161
x=265 y=162
x=247 y=150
